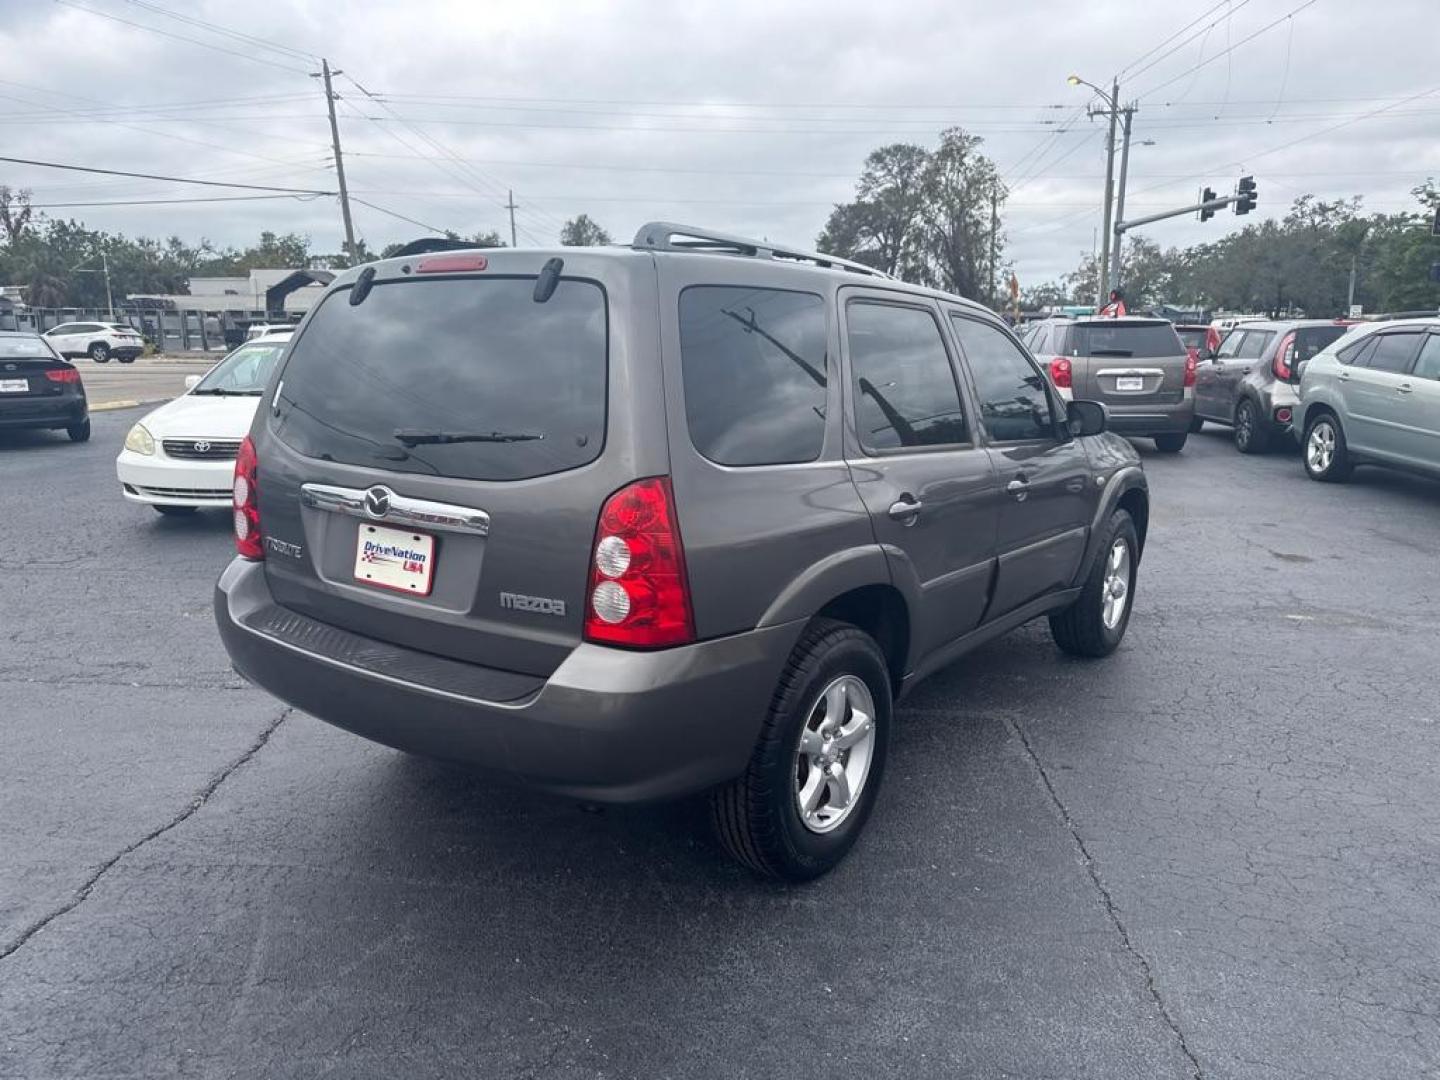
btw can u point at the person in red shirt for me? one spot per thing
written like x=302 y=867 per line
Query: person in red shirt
x=1116 y=307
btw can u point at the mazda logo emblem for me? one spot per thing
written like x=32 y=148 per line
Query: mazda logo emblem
x=202 y=447
x=377 y=501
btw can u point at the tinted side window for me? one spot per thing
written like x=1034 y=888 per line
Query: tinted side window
x=1357 y=355
x=1393 y=353
x=1040 y=341
x=755 y=373
x=905 y=391
x=1428 y=366
x=1231 y=345
x=1013 y=403
x=1254 y=344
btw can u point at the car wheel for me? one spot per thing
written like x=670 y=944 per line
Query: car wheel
x=813 y=777
x=99 y=352
x=1251 y=436
x=1170 y=444
x=1095 y=623
x=1197 y=424
x=79 y=432
x=1326 y=456
x=126 y=359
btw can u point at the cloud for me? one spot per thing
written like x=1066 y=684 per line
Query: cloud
x=745 y=116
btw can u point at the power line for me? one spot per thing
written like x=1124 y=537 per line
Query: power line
x=1226 y=52
x=402 y=217
x=157 y=176
x=436 y=98
x=216 y=28
x=1146 y=55
x=182 y=37
x=170 y=202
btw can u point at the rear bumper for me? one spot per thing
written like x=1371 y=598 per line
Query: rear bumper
x=1170 y=419
x=609 y=724
x=56 y=412
x=161 y=481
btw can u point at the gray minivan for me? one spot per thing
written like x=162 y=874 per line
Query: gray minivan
x=679 y=516
x=1136 y=366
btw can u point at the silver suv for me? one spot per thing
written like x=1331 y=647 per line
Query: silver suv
x=1137 y=366
x=1373 y=397
x=681 y=516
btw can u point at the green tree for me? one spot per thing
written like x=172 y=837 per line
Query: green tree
x=959 y=185
x=881 y=228
x=582 y=231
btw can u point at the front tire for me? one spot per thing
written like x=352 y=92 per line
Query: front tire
x=1170 y=444
x=812 y=780
x=126 y=359
x=79 y=432
x=1326 y=456
x=1251 y=435
x=1197 y=424
x=1094 y=625
x=99 y=352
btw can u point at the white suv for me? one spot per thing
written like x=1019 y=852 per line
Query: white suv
x=99 y=341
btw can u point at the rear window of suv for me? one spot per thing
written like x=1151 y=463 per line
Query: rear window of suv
x=459 y=377
x=1125 y=339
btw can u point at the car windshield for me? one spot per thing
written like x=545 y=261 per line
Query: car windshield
x=244 y=371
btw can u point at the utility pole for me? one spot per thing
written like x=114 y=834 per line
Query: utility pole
x=1129 y=112
x=330 y=95
x=994 y=224
x=510 y=205
x=110 y=296
x=1109 y=199
x=1350 y=298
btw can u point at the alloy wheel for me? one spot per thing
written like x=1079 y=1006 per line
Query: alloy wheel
x=1320 y=447
x=833 y=759
x=1117 y=584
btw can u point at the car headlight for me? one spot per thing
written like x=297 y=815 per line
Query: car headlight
x=139 y=440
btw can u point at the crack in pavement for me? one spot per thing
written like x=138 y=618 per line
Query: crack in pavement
x=87 y=886
x=1111 y=910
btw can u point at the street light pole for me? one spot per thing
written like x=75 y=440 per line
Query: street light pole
x=1109 y=203
x=1120 y=196
x=1112 y=110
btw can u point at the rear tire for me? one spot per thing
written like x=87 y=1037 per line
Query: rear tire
x=1197 y=424
x=758 y=817
x=1171 y=444
x=1323 y=449
x=79 y=432
x=1251 y=434
x=99 y=352
x=173 y=511
x=1091 y=626
x=126 y=359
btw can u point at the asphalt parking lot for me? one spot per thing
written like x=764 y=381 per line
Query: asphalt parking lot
x=1215 y=854
x=148 y=379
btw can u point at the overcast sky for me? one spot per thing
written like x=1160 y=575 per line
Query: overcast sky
x=752 y=117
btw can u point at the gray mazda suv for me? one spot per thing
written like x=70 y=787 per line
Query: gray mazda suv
x=686 y=515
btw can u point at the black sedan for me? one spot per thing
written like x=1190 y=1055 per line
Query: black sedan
x=38 y=389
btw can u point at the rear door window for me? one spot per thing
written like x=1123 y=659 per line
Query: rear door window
x=1126 y=340
x=459 y=377
x=1394 y=352
x=905 y=389
x=1254 y=344
x=1357 y=355
x=755 y=373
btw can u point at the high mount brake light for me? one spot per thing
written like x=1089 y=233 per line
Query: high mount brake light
x=639 y=594
x=247 y=503
x=451 y=264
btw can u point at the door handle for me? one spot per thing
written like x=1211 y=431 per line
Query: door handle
x=906 y=509
x=1405 y=388
x=1019 y=487
x=1344 y=376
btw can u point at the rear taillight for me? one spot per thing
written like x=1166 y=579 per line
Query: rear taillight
x=1062 y=374
x=1193 y=351
x=1281 y=364
x=638 y=594
x=63 y=375
x=1190 y=368
x=247 y=504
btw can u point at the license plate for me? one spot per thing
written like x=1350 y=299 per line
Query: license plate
x=395 y=559
x=14 y=386
x=1130 y=382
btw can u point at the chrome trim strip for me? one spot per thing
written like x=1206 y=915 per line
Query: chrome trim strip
x=419 y=513
x=1131 y=371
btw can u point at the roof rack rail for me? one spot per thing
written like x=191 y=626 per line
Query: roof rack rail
x=668 y=236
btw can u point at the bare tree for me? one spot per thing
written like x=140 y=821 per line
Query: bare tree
x=15 y=212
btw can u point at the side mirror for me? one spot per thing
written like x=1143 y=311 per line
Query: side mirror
x=192 y=381
x=1086 y=418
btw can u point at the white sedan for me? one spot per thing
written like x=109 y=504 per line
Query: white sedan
x=181 y=457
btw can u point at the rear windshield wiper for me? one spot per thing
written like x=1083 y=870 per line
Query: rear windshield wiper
x=429 y=438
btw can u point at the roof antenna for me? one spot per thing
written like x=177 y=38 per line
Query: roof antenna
x=361 y=288
x=548 y=279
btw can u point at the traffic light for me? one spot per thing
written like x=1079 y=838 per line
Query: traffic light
x=1246 y=192
x=1206 y=213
